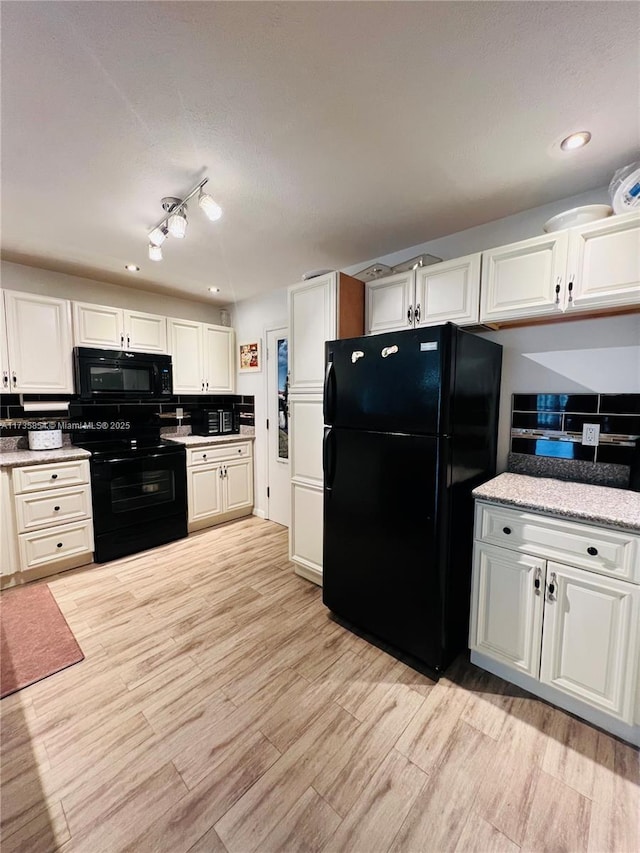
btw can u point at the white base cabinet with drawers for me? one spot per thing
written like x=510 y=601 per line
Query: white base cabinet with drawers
x=47 y=520
x=555 y=608
x=219 y=483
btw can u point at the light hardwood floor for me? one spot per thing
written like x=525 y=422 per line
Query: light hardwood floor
x=219 y=708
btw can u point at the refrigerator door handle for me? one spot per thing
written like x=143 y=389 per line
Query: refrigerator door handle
x=329 y=393
x=387 y=351
x=329 y=458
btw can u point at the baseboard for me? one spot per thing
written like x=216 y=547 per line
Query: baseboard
x=630 y=733
x=260 y=513
x=313 y=575
x=219 y=519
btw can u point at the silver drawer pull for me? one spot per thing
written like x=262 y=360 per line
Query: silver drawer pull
x=355 y=355
x=537 y=578
x=551 y=589
x=387 y=351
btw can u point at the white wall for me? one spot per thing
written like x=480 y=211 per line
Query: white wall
x=250 y=319
x=500 y=232
x=48 y=283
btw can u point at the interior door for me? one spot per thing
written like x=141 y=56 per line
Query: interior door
x=279 y=492
x=380 y=545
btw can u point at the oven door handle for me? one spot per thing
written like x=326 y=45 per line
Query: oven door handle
x=113 y=460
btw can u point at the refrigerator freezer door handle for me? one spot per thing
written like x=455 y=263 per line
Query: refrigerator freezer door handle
x=355 y=355
x=329 y=459
x=329 y=393
x=387 y=351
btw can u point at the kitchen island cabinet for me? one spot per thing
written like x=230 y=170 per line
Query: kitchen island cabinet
x=555 y=602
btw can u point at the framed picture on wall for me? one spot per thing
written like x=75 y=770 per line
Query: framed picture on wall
x=250 y=360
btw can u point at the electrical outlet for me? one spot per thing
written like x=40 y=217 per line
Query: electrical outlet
x=179 y=413
x=591 y=434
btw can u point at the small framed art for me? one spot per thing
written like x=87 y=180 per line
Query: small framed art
x=250 y=357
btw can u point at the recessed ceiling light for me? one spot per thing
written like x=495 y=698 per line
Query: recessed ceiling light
x=132 y=268
x=575 y=140
x=213 y=289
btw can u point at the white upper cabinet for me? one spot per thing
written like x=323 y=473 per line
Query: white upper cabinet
x=604 y=263
x=203 y=357
x=390 y=303
x=312 y=321
x=98 y=326
x=219 y=352
x=185 y=346
x=105 y=327
x=39 y=343
x=4 y=350
x=145 y=332
x=524 y=279
x=448 y=292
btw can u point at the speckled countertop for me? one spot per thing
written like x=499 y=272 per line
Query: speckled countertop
x=582 y=502
x=17 y=458
x=195 y=440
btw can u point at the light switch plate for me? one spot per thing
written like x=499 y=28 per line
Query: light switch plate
x=591 y=434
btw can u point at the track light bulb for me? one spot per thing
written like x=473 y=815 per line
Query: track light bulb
x=210 y=208
x=155 y=252
x=158 y=235
x=178 y=224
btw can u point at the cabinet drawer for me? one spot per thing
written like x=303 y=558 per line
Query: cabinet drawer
x=55 y=506
x=218 y=453
x=608 y=552
x=56 y=543
x=38 y=477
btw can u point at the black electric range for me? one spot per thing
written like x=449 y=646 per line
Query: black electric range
x=138 y=492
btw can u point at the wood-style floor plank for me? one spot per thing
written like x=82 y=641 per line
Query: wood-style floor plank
x=220 y=709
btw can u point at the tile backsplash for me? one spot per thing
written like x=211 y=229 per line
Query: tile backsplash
x=549 y=427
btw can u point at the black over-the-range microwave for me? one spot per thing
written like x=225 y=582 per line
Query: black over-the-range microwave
x=102 y=374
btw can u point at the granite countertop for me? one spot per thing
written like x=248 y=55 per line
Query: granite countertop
x=196 y=440
x=18 y=458
x=598 y=504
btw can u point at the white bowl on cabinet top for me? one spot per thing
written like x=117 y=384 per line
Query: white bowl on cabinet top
x=577 y=216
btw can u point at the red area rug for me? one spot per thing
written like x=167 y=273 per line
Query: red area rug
x=36 y=640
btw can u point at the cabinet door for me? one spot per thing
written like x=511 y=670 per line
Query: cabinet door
x=506 y=607
x=204 y=492
x=219 y=365
x=98 y=326
x=604 y=263
x=306 y=429
x=305 y=534
x=145 y=332
x=590 y=630
x=312 y=321
x=4 y=350
x=524 y=279
x=39 y=343
x=238 y=484
x=449 y=292
x=389 y=303
x=185 y=345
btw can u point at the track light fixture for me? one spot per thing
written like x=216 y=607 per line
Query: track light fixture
x=174 y=222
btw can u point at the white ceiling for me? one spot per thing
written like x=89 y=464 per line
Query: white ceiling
x=331 y=132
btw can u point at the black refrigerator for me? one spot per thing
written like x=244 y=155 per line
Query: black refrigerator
x=411 y=422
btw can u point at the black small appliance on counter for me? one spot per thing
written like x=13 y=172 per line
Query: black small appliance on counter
x=223 y=421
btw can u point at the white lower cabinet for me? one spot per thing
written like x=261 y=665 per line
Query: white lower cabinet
x=219 y=483
x=48 y=521
x=567 y=633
